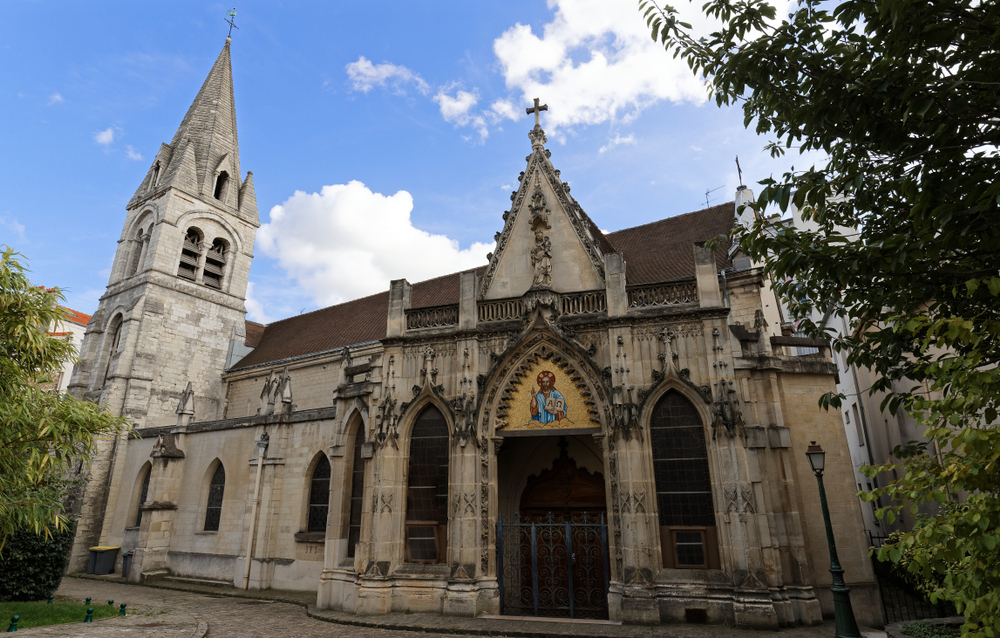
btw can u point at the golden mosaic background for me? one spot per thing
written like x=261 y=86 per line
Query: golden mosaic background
x=519 y=412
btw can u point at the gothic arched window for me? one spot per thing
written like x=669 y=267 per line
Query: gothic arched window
x=357 y=494
x=319 y=496
x=683 y=485
x=143 y=492
x=427 y=489
x=188 y=268
x=215 y=264
x=116 y=336
x=216 y=488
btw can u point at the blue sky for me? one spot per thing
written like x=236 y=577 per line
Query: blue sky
x=385 y=139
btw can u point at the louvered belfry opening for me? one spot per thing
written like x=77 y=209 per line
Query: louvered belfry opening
x=319 y=496
x=188 y=268
x=427 y=489
x=683 y=485
x=215 y=264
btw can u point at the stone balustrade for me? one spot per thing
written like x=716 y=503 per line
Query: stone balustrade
x=664 y=294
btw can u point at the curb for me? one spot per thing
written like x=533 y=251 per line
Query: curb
x=201 y=630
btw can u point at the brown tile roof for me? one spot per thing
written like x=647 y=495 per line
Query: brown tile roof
x=254 y=332
x=659 y=251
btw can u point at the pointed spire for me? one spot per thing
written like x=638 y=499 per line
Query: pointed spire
x=248 y=199
x=210 y=124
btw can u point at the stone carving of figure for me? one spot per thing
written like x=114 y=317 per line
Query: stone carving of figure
x=541 y=260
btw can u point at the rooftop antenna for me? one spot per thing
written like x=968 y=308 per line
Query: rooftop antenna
x=740 y=171
x=231 y=20
x=708 y=192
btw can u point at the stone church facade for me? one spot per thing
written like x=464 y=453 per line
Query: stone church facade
x=590 y=425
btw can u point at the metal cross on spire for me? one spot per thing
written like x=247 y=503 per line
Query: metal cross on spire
x=537 y=110
x=231 y=20
x=739 y=170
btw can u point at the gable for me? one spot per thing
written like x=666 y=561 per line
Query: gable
x=542 y=205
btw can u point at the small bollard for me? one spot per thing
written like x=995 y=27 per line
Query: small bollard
x=88 y=601
x=90 y=615
x=111 y=603
x=51 y=597
x=13 y=624
x=121 y=610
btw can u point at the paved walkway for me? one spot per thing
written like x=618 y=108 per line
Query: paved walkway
x=188 y=610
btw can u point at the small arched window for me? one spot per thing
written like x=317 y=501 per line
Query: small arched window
x=319 y=496
x=154 y=180
x=220 y=186
x=357 y=493
x=143 y=492
x=216 y=488
x=188 y=268
x=215 y=264
x=138 y=244
x=116 y=336
x=427 y=489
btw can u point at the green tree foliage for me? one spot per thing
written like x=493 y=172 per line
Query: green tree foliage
x=42 y=434
x=901 y=98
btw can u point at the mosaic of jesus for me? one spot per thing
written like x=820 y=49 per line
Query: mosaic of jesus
x=546 y=399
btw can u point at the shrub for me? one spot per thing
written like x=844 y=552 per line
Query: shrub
x=31 y=565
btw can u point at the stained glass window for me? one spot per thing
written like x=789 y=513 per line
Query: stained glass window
x=319 y=496
x=213 y=513
x=357 y=494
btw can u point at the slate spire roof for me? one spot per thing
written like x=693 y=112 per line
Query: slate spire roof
x=210 y=122
x=205 y=144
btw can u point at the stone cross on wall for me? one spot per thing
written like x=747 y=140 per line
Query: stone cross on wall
x=537 y=110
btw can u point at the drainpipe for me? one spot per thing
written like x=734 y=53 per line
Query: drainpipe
x=261 y=451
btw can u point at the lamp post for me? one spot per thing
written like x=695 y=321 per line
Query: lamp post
x=847 y=627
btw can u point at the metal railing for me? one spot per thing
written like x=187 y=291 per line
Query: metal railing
x=902 y=601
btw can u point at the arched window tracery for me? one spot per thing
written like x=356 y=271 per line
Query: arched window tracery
x=319 y=496
x=216 y=490
x=683 y=484
x=427 y=489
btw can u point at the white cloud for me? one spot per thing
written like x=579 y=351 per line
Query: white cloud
x=504 y=109
x=132 y=153
x=105 y=137
x=458 y=109
x=365 y=76
x=55 y=98
x=618 y=139
x=255 y=309
x=596 y=62
x=13 y=226
x=347 y=241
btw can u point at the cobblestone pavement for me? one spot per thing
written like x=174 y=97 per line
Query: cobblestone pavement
x=170 y=613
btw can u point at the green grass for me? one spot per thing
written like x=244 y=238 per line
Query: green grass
x=37 y=614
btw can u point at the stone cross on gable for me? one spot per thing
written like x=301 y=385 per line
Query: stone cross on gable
x=537 y=110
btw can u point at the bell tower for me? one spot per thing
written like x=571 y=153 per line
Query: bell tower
x=176 y=294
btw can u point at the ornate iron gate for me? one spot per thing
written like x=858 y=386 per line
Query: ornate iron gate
x=553 y=566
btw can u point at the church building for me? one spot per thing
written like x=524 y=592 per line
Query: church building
x=590 y=425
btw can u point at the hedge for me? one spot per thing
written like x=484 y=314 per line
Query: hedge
x=32 y=567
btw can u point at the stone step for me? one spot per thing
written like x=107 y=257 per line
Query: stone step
x=199 y=581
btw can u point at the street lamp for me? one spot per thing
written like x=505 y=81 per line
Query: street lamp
x=846 y=627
